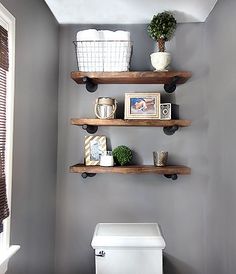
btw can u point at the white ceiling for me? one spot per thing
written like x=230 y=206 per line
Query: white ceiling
x=127 y=11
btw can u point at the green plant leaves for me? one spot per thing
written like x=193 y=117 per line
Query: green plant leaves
x=163 y=25
x=122 y=155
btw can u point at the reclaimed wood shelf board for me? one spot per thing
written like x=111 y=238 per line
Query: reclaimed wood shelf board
x=132 y=169
x=130 y=123
x=132 y=77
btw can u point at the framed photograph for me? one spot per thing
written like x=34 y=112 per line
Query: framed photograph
x=94 y=147
x=142 y=105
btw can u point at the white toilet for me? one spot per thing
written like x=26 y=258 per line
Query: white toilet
x=128 y=248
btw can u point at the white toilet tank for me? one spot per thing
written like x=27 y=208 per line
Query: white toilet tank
x=128 y=248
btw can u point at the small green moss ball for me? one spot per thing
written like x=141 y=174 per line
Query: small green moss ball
x=122 y=155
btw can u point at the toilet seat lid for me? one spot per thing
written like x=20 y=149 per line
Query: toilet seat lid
x=128 y=235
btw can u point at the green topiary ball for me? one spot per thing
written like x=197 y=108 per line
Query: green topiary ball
x=162 y=26
x=122 y=155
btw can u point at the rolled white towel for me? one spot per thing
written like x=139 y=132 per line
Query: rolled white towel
x=88 y=35
x=114 y=35
x=107 y=35
x=122 y=35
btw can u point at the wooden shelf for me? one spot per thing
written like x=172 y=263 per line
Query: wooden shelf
x=133 y=169
x=130 y=123
x=170 y=79
x=132 y=77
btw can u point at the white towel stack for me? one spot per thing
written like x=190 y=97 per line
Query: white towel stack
x=114 y=35
x=89 y=50
x=103 y=50
x=88 y=35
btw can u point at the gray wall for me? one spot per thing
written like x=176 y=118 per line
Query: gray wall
x=197 y=213
x=179 y=207
x=221 y=97
x=35 y=137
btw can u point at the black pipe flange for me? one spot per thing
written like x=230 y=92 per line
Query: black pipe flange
x=90 y=129
x=170 y=130
x=86 y=174
x=90 y=85
x=171 y=176
x=171 y=87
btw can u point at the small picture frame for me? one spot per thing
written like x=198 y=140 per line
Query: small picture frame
x=142 y=105
x=94 y=147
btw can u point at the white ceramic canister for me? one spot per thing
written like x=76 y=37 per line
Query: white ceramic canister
x=105 y=108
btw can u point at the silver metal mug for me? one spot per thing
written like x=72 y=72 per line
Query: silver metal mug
x=160 y=158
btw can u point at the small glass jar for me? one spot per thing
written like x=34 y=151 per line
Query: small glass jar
x=106 y=159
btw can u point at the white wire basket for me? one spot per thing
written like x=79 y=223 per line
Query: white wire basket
x=106 y=55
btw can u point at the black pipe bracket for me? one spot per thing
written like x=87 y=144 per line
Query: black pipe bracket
x=170 y=130
x=90 y=129
x=171 y=176
x=86 y=174
x=90 y=85
x=171 y=87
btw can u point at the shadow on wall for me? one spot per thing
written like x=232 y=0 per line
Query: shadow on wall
x=143 y=46
x=171 y=265
x=182 y=16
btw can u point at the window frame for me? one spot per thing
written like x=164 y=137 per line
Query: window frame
x=7 y=20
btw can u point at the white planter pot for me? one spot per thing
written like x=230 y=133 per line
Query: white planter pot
x=160 y=60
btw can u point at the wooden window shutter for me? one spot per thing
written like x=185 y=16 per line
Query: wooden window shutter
x=4 y=64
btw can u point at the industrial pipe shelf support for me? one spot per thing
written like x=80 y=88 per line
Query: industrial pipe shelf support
x=90 y=85
x=171 y=176
x=86 y=174
x=90 y=129
x=170 y=130
x=171 y=87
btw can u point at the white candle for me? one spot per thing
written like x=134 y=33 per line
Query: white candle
x=106 y=159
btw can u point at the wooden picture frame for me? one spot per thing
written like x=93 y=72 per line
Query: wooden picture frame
x=94 y=146
x=142 y=105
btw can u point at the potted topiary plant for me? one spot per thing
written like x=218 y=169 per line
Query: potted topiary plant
x=161 y=29
x=122 y=155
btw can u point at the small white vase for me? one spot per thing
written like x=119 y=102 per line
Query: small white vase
x=160 y=60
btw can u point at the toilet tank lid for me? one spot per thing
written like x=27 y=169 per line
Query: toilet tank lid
x=128 y=235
